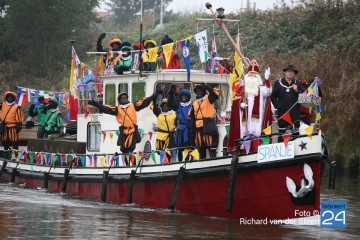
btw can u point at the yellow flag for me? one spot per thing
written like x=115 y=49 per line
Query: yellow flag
x=168 y=152
x=318 y=116
x=186 y=153
x=267 y=130
x=102 y=161
x=167 y=50
x=309 y=90
x=237 y=72
x=195 y=154
x=309 y=131
x=111 y=134
x=152 y=54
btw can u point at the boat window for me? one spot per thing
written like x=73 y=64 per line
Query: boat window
x=165 y=87
x=94 y=136
x=138 y=91
x=123 y=87
x=110 y=94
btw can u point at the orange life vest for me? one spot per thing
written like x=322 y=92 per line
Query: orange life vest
x=14 y=116
x=203 y=109
x=127 y=118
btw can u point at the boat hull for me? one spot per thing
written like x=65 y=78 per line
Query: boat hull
x=259 y=190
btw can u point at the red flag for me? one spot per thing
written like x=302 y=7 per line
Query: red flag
x=221 y=71
x=286 y=138
x=104 y=135
x=133 y=159
x=86 y=114
x=286 y=117
x=73 y=107
x=179 y=44
x=166 y=160
x=150 y=135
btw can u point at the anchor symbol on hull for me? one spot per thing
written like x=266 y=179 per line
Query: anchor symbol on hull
x=305 y=189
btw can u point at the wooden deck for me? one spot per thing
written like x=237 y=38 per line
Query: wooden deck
x=28 y=133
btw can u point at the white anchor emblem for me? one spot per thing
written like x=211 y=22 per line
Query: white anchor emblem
x=305 y=189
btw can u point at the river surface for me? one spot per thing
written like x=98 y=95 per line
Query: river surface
x=37 y=214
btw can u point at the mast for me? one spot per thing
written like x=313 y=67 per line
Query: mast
x=222 y=26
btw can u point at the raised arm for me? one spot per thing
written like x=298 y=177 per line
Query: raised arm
x=105 y=109
x=172 y=100
x=145 y=102
x=212 y=95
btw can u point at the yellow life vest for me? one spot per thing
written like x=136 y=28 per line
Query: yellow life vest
x=166 y=124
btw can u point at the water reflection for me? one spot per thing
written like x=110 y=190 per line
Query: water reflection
x=32 y=214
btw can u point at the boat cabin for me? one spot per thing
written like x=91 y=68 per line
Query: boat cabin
x=100 y=131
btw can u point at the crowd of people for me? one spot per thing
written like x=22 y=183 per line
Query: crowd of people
x=152 y=57
x=181 y=122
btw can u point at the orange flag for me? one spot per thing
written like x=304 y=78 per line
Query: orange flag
x=286 y=117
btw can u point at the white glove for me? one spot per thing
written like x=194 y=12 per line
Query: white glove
x=243 y=105
x=267 y=73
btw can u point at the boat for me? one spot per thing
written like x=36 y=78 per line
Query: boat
x=280 y=180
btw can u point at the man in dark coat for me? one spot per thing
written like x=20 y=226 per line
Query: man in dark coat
x=284 y=97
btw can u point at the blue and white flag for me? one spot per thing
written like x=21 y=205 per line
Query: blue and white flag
x=185 y=47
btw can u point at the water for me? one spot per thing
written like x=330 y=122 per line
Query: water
x=37 y=214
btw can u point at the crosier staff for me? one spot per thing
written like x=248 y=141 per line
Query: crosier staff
x=221 y=24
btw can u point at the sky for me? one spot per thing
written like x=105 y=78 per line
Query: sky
x=190 y=6
x=228 y=5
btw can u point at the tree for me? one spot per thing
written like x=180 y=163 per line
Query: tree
x=37 y=35
x=126 y=10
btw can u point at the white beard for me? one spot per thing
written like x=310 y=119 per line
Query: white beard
x=252 y=83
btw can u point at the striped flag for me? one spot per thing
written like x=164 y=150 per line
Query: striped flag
x=22 y=97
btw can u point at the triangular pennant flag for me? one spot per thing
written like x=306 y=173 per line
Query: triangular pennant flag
x=286 y=138
x=167 y=50
x=221 y=71
x=318 y=116
x=195 y=154
x=185 y=154
x=265 y=140
x=104 y=135
x=117 y=132
x=166 y=160
x=123 y=160
x=152 y=154
x=82 y=160
x=162 y=154
x=150 y=135
x=286 y=117
x=86 y=114
x=168 y=152
x=268 y=130
x=247 y=145
x=133 y=159
x=111 y=135
x=309 y=131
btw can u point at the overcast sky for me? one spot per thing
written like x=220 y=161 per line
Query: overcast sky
x=228 y=5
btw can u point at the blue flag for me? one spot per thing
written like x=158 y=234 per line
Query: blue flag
x=185 y=47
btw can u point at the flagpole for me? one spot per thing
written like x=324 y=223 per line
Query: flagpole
x=221 y=24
